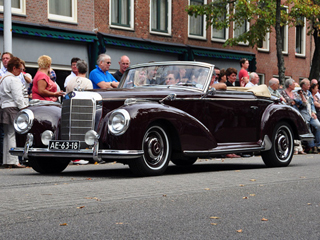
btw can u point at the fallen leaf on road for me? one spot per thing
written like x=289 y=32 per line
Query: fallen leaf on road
x=239 y=231
x=252 y=180
x=264 y=219
x=245 y=197
x=207 y=189
x=241 y=185
x=95 y=198
x=80 y=207
x=164 y=195
x=302 y=177
x=252 y=195
x=119 y=223
x=63 y=224
x=214 y=217
x=213 y=223
x=89 y=178
x=309 y=203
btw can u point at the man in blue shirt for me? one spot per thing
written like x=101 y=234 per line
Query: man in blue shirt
x=100 y=76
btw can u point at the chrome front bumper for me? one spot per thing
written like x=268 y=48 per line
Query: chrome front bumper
x=95 y=153
x=83 y=153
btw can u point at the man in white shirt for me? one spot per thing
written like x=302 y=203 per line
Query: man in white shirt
x=74 y=71
x=253 y=80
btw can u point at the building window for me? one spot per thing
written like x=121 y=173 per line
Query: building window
x=284 y=34
x=301 y=37
x=160 y=16
x=121 y=14
x=63 y=10
x=17 y=6
x=222 y=34
x=240 y=28
x=264 y=44
x=197 y=24
x=261 y=78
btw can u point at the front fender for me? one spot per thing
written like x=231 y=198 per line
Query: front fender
x=46 y=117
x=187 y=129
x=275 y=113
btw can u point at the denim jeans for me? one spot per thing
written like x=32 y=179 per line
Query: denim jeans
x=316 y=124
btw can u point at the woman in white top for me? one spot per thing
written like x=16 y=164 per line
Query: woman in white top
x=13 y=97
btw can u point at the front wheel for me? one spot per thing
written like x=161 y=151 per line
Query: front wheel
x=281 y=152
x=48 y=165
x=157 y=151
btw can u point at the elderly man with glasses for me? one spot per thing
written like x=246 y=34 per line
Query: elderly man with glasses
x=100 y=77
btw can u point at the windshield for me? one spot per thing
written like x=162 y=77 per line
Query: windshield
x=169 y=75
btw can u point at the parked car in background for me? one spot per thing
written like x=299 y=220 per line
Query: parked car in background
x=156 y=116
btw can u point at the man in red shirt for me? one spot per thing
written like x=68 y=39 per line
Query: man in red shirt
x=243 y=73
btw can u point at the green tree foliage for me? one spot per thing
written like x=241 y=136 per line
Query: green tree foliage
x=310 y=9
x=264 y=16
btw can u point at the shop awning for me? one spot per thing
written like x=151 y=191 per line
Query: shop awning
x=52 y=33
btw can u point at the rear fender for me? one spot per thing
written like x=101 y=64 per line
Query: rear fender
x=278 y=112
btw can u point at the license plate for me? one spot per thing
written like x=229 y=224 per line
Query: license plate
x=64 y=145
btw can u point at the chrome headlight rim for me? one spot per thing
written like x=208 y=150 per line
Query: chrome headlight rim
x=124 y=125
x=30 y=118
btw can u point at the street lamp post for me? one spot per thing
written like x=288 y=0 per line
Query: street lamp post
x=7 y=26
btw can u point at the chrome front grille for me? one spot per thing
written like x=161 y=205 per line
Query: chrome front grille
x=77 y=118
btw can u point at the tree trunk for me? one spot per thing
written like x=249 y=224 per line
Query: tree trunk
x=315 y=65
x=281 y=68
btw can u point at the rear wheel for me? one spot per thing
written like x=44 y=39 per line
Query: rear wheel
x=157 y=151
x=281 y=152
x=48 y=165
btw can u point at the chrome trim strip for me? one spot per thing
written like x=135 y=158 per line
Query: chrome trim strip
x=188 y=99
x=213 y=152
x=83 y=153
x=306 y=137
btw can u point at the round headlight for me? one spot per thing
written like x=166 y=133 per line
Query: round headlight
x=90 y=137
x=119 y=122
x=46 y=136
x=23 y=121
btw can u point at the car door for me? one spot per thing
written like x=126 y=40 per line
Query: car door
x=233 y=117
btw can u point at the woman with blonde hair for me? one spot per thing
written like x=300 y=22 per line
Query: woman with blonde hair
x=43 y=87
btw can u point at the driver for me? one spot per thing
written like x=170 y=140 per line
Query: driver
x=172 y=78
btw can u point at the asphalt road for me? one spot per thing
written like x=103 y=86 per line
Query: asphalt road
x=213 y=199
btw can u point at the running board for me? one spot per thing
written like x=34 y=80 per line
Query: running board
x=235 y=148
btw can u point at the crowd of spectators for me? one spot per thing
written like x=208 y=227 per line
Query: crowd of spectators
x=14 y=79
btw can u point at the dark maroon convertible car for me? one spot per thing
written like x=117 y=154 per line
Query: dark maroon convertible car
x=161 y=112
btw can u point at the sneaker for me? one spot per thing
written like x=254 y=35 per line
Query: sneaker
x=80 y=162
x=315 y=150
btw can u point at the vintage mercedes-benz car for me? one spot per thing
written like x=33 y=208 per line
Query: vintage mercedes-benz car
x=160 y=112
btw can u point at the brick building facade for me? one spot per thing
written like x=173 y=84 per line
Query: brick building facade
x=95 y=26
